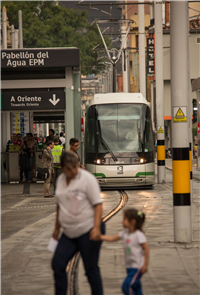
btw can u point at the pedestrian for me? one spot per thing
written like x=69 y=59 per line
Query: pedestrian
x=27 y=148
x=18 y=140
x=50 y=137
x=56 y=153
x=74 y=146
x=36 y=137
x=62 y=139
x=79 y=210
x=135 y=249
x=10 y=142
x=47 y=162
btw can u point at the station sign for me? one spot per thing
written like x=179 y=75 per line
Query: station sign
x=16 y=101
x=39 y=58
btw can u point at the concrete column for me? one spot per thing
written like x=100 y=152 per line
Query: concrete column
x=16 y=39
x=77 y=105
x=159 y=92
x=13 y=36
x=142 y=65
x=20 y=29
x=180 y=113
x=4 y=25
x=152 y=105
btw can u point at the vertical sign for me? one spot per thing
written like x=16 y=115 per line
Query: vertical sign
x=20 y=123
x=150 y=57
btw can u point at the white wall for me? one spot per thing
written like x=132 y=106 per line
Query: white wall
x=194 y=56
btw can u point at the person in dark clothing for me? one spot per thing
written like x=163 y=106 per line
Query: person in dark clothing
x=50 y=137
x=74 y=146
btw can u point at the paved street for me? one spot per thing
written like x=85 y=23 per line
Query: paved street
x=27 y=225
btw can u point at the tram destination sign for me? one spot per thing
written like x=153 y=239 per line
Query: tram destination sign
x=39 y=58
x=16 y=101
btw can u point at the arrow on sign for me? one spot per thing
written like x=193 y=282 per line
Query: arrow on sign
x=54 y=101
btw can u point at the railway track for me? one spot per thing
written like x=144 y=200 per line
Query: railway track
x=72 y=268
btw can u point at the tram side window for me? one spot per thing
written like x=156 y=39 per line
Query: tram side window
x=89 y=128
x=149 y=146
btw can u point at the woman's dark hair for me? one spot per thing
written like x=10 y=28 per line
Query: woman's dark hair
x=139 y=217
x=52 y=131
x=61 y=133
x=49 y=142
x=68 y=160
x=30 y=134
x=73 y=141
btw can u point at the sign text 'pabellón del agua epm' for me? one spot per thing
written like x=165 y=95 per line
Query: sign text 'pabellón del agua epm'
x=25 y=58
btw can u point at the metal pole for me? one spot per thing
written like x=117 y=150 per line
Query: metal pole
x=4 y=21
x=159 y=93
x=20 y=29
x=180 y=143
x=142 y=71
x=16 y=39
x=190 y=108
x=124 y=59
x=13 y=36
x=114 y=78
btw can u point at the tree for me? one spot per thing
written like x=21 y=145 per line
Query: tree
x=48 y=25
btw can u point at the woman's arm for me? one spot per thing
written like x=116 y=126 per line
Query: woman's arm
x=95 y=232
x=146 y=257
x=57 y=226
x=110 y=238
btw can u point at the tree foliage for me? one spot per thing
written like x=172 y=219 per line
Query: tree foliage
x=48 y=25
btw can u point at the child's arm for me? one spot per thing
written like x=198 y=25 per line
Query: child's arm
x=146 y=257
x=110 y=238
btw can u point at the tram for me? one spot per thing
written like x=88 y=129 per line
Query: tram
x=119 y=148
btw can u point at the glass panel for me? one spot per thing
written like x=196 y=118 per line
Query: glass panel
x=120 y=125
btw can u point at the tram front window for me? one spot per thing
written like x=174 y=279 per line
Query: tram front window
x=121 y=126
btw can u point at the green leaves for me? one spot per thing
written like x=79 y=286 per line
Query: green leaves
x=48 y=25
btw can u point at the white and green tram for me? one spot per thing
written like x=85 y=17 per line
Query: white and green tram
x=119 y=147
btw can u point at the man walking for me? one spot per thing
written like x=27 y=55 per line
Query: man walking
x=47 y=162
x=50 y=137
x=56 y=153
x=74 y=146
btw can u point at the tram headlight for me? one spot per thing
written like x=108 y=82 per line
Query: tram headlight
x=98 y=161
x=142 y=160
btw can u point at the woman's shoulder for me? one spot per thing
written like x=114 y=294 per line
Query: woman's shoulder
x=87 y=175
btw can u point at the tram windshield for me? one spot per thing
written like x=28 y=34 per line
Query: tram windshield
x=124 y=128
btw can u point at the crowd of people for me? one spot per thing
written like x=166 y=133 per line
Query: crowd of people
x=27 y=146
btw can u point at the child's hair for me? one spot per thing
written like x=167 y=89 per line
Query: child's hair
x=139 y=217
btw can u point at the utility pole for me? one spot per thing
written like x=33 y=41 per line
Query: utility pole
x=180 y=115
x=20 y=29
x=159 y=92
x=124 y=59
x=4 y=21
x=16 y=39
x=142 y=65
